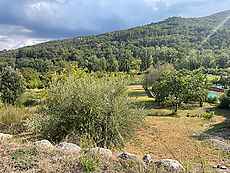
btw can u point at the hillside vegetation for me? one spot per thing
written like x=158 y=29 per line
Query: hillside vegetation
x=186 y=42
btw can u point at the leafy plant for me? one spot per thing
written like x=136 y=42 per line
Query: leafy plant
x=11 y=85
x=84 y=105
x=24 y=158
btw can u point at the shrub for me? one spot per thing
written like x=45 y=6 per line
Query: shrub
x=98 y=107
x=11 y=85
x=208 y=115
x=225 y=101
x=24 y=158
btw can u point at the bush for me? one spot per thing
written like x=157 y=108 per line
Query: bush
x=98 y=107
x=11 y=85
x=225 y=101
x=208 y=115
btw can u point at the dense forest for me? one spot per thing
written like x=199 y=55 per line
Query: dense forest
x=188 y=43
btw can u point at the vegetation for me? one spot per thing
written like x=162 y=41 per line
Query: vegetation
x=11 y=85
x=88 y=105
x=178 y=41
x=76 y=89
x=225 y=101
x=176 y=87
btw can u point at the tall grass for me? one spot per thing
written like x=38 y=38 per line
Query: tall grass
x=89 y=105
x=13 y=115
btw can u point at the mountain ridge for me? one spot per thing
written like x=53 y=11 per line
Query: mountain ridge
x=175 y=34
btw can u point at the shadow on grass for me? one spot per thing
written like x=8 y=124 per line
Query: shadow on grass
x=137 y=93
x=222 y=129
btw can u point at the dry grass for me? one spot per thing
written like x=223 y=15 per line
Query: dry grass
x=171 y=137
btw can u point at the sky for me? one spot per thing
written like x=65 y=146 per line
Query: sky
x=27 y=22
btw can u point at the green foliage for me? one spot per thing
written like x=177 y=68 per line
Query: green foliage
x=208 y=115
x=176 y=40
x=24 y=158
x=31 y=77
x=90 y=163
x=11 y=85
x=225 y=101
x=88 y=105
x=177 y=87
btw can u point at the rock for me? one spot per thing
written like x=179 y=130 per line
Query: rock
x=221 y=167
x=102 y=152
x=169 y=165
x=147 y=159
x=127 y=156
x=5 y=136
x=69 y=147
x=44 y=144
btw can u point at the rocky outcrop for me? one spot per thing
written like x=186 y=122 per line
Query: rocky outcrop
x=44 y=144
x=169 y=165
x=102 y=152
x=69 y=148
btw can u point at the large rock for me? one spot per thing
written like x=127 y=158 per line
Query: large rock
x=5 y=137
x=44 y=144
x=169 y=165
x=102 y=152
x=69 y=148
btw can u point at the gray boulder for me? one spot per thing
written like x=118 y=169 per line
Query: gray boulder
x=44 y=144
x=69 y=147
x=169 y=165
x=102 y=152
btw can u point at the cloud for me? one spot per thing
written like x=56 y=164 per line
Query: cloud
x=24 y=20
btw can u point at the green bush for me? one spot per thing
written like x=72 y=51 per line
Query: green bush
x=208 y=115
x=11 y=85
x=98 y=107
x=225 y=101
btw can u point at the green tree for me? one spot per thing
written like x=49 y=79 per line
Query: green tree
x=11 y=85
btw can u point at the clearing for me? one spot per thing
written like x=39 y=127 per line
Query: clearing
x=165 y=136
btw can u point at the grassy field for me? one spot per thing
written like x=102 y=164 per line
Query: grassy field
x=166 y=136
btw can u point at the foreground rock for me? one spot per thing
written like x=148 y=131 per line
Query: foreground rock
x=147 y=159
x=127 y=156
x=102 y=152
x=69 y=148
x=44 y=144
x=5 y=137
x=169 y=165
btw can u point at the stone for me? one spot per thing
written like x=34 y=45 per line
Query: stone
x=127 y=156
x=102 y=152
x=44 y=144
x=221 y=167
x=147 y=159
x=5 y=136
x=69 y=147
x=169 y=165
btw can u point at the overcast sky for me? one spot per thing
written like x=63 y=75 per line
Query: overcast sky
x=25 y=22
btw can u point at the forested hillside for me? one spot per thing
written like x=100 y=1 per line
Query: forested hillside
x=185 y=42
